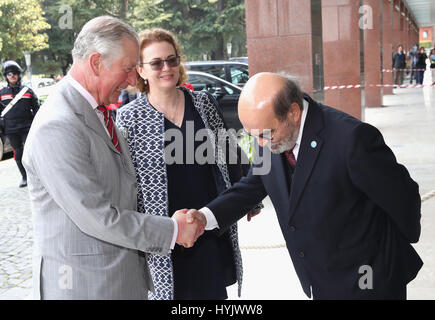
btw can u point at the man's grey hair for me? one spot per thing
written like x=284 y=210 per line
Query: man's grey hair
x=290 y=92
x=103 y=35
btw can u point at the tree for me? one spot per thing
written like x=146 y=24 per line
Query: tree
x=201 y=26
x=21 y=26
x=63 y=32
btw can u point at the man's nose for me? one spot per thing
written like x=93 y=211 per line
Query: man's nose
x=262 y=142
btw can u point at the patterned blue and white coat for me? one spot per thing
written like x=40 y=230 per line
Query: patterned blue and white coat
x=143 y=127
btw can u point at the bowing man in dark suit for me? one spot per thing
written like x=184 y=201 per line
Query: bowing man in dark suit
x=348 y=211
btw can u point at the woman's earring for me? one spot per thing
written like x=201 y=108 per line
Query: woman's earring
x=145 y=81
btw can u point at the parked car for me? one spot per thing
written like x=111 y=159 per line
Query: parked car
x=232 y=71
x=5 y=146
x=226 y=94
x=41 y=86
x=240 y=59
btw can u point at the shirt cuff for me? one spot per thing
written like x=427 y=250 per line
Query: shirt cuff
x=211 y=219
x=174 y=237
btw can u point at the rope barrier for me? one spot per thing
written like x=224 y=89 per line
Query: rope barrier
x=428 y=196
x=283 y=245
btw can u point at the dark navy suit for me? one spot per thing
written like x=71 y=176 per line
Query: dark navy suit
x=347 y=206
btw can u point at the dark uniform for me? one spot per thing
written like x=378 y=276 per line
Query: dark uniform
x=18 y=120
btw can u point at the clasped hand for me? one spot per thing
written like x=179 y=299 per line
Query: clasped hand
x=191 y=224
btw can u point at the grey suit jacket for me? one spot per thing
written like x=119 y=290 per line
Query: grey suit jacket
x=87 y=231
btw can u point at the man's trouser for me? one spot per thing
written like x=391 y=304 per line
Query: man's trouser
x=17 y=142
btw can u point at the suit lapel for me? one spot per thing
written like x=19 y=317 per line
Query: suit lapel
x=81 y=106
x=311 y=145
x=94 y=123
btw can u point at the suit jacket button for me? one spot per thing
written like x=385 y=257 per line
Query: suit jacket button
x=301 y=254
x=292 y=228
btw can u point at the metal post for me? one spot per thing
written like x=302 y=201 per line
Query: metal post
x=27 y=56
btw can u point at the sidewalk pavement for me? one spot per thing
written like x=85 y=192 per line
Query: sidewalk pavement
x=407 y=123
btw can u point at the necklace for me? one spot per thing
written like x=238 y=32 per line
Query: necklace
x=167 y=115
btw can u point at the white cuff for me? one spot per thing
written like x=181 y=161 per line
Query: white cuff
x=211 y=219
x=174 y=237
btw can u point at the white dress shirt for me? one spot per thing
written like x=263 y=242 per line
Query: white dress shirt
x=94 y=105
x=211 y=219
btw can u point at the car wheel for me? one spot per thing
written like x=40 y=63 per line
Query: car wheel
x=1 y=149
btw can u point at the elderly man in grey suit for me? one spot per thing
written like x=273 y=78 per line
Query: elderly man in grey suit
x=89 y=239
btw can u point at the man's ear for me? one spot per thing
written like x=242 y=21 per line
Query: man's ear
x=96 y=63
x=295 y=112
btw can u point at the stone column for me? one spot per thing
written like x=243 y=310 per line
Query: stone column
x=387 y=44
x=279 y=38
x=397 y=34
x=341 y=48
x=372 y=53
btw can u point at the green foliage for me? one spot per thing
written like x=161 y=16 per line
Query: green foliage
x=21 y=26
x=246 y=143
x=203 y=27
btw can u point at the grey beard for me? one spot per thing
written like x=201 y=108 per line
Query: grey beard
x=285 y=145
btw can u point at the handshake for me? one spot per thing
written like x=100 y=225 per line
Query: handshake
x=191 y=224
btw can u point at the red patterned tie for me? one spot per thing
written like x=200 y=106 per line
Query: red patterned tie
x=110 y=126
x=291 y=158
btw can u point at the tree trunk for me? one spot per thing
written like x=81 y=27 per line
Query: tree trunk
x=220 y=50
x=219 y=54
x=124 y=9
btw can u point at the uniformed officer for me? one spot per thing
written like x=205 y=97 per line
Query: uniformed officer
x=18 y=119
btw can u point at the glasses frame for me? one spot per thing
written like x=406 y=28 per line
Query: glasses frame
x=270 y=139
x=162 y=63
x=11 y=73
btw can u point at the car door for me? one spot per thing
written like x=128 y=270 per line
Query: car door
x=228 y=98
x=238 y=74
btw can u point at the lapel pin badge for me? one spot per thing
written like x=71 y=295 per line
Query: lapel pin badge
x=313 y=144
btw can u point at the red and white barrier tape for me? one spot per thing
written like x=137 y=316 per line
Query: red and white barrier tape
x=392 y=70
x=356 y=86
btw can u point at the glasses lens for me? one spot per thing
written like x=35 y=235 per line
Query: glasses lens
x=10 y=73
x=157 y=64
x=259 y=135
x=174 y=61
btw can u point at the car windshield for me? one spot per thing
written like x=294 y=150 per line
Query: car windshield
x=216 y=70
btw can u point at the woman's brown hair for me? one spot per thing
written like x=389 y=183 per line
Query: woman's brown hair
x=150 y=36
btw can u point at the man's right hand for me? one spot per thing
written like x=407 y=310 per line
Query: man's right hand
x=191 y=224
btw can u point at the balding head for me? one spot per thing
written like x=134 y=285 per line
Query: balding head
x=259 y=91
x=268 y=95
x=273 y=102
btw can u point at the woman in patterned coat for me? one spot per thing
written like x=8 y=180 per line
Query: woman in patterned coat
x=160 y=127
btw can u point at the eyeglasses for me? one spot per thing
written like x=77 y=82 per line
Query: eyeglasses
x=12 y=73
x=262 y=136
x=158 y=63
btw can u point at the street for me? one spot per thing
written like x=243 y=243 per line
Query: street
x=15 y=234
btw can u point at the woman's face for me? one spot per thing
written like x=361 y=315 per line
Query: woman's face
x=162 y=78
